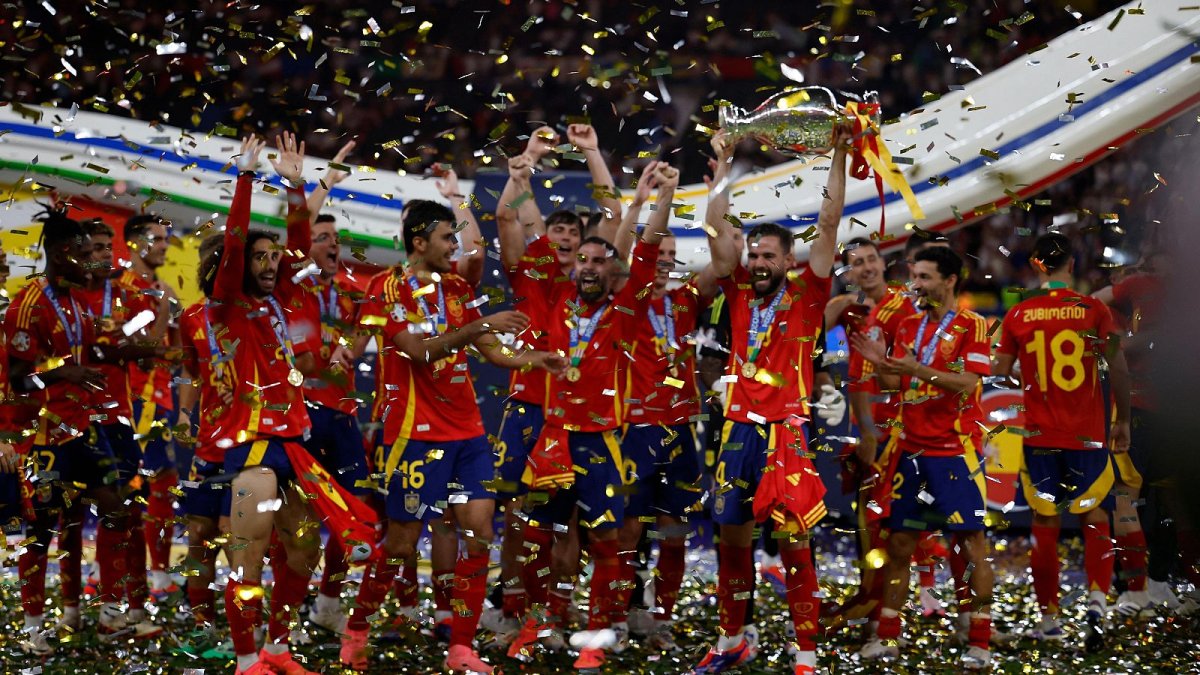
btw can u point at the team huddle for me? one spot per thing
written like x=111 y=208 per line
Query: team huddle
x=596 y=460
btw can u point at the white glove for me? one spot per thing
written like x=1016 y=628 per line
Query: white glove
x=831 y=406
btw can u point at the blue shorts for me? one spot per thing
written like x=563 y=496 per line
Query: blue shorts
x=661 y=471
x=126 y=450
x=267 y=453
x=426 y=477
x=597 y=487
x=337 y=443
x=519 y=431
x=1057 y=481
x=153 y=425
x=939 y=493
x=740 y=464
x=206 y=491
x=87 y=462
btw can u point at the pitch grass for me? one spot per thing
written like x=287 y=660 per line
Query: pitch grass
x=1159 y=643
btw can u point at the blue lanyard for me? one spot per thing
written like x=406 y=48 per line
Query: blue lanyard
x=439 y=325
x=106 y=309
x=760 y=323
x=665 y=327
x=281 y=331
x=927 y=351
x=74 y=332
x=215 y=357
x=582 y=335
x=330 y=311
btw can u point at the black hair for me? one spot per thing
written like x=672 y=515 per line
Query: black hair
x=422 y=218
x=608 y=246
x=325 y=218
x=211 y=250
x=1051 y=251
x=58 y=228
x=856 y=243
x=565 y=217
x=948 y=262
x=139 y=225
x=786 y=241
x=920 y=238
x=95 y=227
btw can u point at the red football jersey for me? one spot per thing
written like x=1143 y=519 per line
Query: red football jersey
x=662 y=378
x=218 y=421
x=153 y=385
x=329 y=312
x=1142 y=295
x=35 y=333
x=933 y=419
x=538 y=263
x=782 y=379
x=430 y=402
x=114 y=404
x=881 y=324
x=595 y=401
x=1057 y=336
x=256 y=331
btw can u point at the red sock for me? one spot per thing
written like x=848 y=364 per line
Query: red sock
x=958 y=570
x=112 y=546
x=406 y=583
x=559 y=601
x=514 y=601
x=160 y=522
x=605 y=574
x=670 y=578
x=536 y=569
x=1189 y=554
x=136 y=588
x=1044 y=565
x=70 y=561
x=1098 y=558
x=376 y=581
x=470 y=588
x=802 y=591
x=623 y=592
x=335 y=569
x=735 y=579
x=1133 y=559
x=32 y=568
x=443 y=589
x=202 y=599
x=979 y=632
x=243 y=608
x=287 y=595
x=889 y=627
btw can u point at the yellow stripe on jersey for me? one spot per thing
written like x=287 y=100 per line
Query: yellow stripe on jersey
x=410 y=414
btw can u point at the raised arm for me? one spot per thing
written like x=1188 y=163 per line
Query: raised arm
x=623 y=239
x=820 y=256
x=721 y=241
x=666 y=178
x=517 y=191
x=470 y=265
x=604 y=190
x=290 y=167
x=333 y=176
x=230 y=270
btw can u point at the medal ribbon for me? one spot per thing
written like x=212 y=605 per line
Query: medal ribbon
x=73 y=332
x=760 y=324
x=666 y=327
x=215 y=357
x=927 y=352
x=582 y=335
x=281 y=332
x=439 y=325
x=106 y=308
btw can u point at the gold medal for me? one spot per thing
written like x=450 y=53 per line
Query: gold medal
x=749 y=370
x=295 y=377
x=573 y=374
x=325 y=352
x=107 y=325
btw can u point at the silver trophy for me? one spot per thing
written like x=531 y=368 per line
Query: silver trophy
x=799 y=121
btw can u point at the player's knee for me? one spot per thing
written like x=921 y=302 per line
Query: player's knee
x=398 y=548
